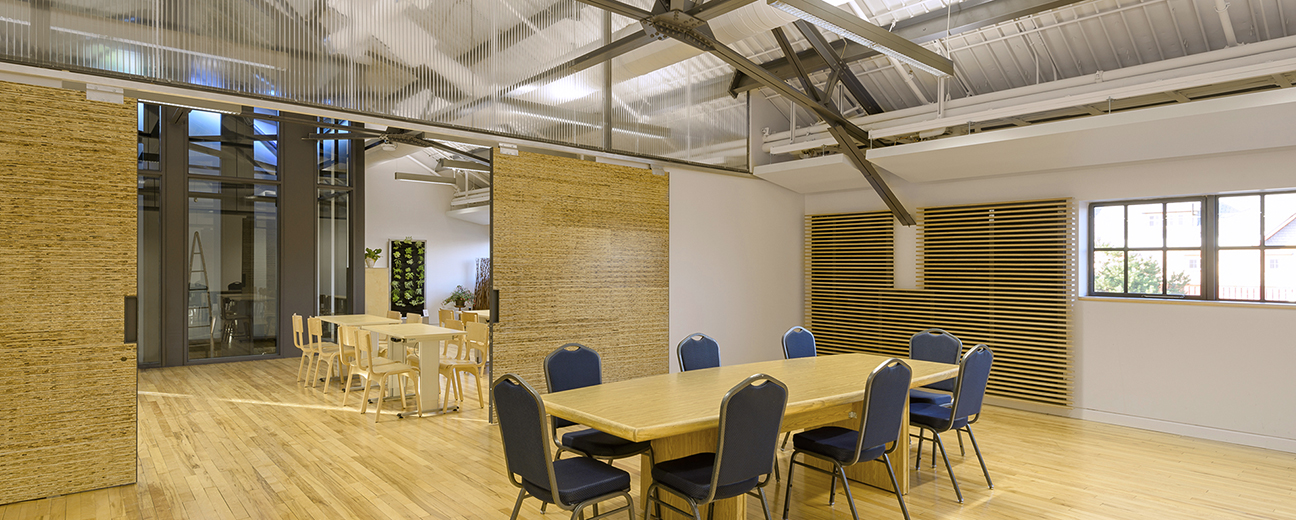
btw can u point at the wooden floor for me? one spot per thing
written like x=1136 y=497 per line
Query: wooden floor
x=240 y=440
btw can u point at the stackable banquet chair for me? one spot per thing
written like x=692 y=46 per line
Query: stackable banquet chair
x=573 y=484
x=574 y=366
x=884 y=409
x=969 y=392
x=750 y=417
x=698 y=351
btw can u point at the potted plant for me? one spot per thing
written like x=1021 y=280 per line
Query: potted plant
x=459 y=297
x=371 y=256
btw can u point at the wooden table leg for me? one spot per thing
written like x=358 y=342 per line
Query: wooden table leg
x=680 y=446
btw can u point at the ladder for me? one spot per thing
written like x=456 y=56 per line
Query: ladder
x=200 y=309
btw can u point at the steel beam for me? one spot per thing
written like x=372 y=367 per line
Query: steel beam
x=713 y=9
x=965 y=16
x=840 y=68
x=844 y=142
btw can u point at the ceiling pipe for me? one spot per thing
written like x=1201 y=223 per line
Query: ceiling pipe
x=748 y=20
x=1221 y=8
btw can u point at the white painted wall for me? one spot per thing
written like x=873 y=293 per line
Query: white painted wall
x=1206 y=370
x=735 y=263
x=398 y=209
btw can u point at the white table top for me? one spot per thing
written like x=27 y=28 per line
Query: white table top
x=414 y=331
x=358 y=320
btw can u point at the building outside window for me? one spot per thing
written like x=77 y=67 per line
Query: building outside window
x=1217 y=247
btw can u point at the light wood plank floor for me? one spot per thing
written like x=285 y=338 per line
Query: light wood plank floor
x=240 y=440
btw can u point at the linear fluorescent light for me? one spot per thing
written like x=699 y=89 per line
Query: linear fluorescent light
x=859 y=31
x=461 y=165
x=421 y=177
x=190 y=107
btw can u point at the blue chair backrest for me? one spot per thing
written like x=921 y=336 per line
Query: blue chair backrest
x=798 y=343
x=697 y=351
x=884 y=404
x=569 y=367
x=750 y=417
x=974 y=373
x=522 y=428
x=939 y=346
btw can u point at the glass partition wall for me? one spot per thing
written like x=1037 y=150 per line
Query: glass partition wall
x=239 y=230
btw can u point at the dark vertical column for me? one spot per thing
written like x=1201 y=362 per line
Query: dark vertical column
x=355 y=271
x=175 y=235
x=298 y=231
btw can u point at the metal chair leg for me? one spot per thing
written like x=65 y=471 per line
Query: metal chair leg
x=786 y=436
x=832 y=489
x=948 y=468
x=962 y=452
x=787 y=493
x=543 y=507
x=776 y=470
x=710 y=511
x=895 y=484
x=846 y=488
x=517 y=506
x=981 y=460
x=764 y=503
x=922 y=434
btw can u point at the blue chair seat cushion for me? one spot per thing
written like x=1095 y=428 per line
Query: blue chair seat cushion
x=934 y=416
x=580 y=479
x=836 y=443
x=691 y=476
x=922 y=396
x=598 y=444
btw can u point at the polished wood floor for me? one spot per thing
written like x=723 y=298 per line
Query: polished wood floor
x=241 y=440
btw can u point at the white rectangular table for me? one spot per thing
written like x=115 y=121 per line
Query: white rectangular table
x=427 y=337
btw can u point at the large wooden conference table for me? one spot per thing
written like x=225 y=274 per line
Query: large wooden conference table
x=680 y=412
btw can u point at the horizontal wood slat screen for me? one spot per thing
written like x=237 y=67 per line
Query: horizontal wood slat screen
x=1002 y=274
x=581 y=253
x=67 y=225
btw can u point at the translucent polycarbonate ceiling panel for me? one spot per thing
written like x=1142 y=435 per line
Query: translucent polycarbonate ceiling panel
x=681 y=112
x=498 y=66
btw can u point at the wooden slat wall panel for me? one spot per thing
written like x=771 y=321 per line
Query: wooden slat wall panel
x=1002 y=274
x=67 y=260
x=581 y=253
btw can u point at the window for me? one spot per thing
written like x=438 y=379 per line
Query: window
x=1219 y=247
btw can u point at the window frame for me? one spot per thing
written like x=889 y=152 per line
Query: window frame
x=1164 y=248
x=1210 y=248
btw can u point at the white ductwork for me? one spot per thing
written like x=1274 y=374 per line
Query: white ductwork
x=387 y=22
x=749 y=20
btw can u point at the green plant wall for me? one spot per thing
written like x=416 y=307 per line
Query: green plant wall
x=408 y=290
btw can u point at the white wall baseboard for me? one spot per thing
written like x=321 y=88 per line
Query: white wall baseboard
x=1190 y=430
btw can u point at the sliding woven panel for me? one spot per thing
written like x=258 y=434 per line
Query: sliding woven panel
x=581 y=253
x=67 y=260
x=1002 y=274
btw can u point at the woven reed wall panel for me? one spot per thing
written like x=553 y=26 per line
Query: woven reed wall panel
x=1002 y=274
x=67 y=247
x=581 y=253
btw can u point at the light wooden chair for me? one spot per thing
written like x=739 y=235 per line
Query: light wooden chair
x=476 y=348
x=370 y=368
x=413 y=318
x=451 y=360
x=469 y=317
x=327 y=352
x=444 y=315
x=395 y=315
x=308 y=350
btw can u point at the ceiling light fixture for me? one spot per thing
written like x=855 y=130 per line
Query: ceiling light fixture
x=388 y=146
x=859 y=31
x=420 y=177
x=461 y=165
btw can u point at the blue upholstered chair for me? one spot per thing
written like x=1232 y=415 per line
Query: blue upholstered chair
x=941 y=347
x=698 y=351
x=884 y=409
x=574 y=366
x=969 y=392
x=573 y=484
x=798 y=343
x=750 y=417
